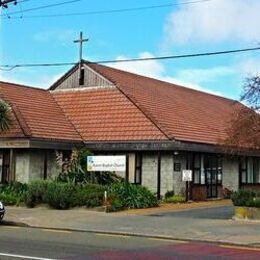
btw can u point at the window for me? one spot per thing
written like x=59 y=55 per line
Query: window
x=198 y=168
x=249 y=168
x=138 y=168
x=219 y=170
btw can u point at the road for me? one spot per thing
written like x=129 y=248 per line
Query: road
x=225 y=212
x=43 y=244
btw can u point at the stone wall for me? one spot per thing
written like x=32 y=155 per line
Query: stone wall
x=22 y=163
x=166 y=173
x=178 y=185
x=29 y=165
x=230 y=173
x=149 y=171
x=131 y=167
x=170 y=180
x=36 y=169
x=52 y=167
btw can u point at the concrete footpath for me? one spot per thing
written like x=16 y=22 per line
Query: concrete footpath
x=196 y=222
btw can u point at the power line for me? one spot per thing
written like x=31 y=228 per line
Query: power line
x=11 y=67
x=111 y=11
x=180 y=56
x=41 y=7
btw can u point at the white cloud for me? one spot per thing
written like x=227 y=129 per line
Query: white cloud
x=151 y=68
x=214 y=21
x=60 y=35
x=250 y=66
x=205 y=75
x=155 y=69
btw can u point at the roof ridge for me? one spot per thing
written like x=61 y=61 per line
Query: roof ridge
x=162 y=81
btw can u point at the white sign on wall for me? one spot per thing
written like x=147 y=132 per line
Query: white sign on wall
x=187 y=175
x=103 y=163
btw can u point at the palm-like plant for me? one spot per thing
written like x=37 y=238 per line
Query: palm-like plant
x=5 y=119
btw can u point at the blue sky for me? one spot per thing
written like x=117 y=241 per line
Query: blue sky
x=185 y=28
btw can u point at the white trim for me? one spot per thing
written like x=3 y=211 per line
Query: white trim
x=25 y=257
x=83 y=88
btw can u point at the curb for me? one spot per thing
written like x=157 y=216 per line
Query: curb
x=13 y=223
x=132 y=234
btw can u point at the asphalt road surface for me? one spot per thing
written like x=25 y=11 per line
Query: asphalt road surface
x=40 y=244
x=225 y=212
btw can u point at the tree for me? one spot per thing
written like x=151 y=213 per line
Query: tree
x=244 y=131
x=5 y=118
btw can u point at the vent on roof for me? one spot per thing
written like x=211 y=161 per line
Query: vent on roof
x=82 y=76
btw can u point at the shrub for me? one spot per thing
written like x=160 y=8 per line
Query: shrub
x=9 y=199
x=125 y=195
x=36 y=193
x=241 y=197
x=60 y=195
x=13 y=193
x=115 y=204
x=254 y=203
x=89 y=195
x=176 y=199
x=169 y=194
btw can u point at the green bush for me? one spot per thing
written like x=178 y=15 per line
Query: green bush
x=89 y=195
x=9 y=199
x=115 y=204
x=13 y=193
x=176 y=199
x=246 y=198
x=241 y=197
x=130 y=196
x=169 y=194
x=36 y=193
x=60 y=195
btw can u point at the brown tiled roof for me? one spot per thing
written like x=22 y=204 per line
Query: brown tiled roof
x=181 y=113
x=105 y=114
x=35 y=114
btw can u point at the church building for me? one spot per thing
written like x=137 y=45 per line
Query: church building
x=160 y=127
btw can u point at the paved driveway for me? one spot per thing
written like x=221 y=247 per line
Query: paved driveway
x=225 y=212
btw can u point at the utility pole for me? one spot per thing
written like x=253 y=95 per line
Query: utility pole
x=81 y=40
x=4 y=3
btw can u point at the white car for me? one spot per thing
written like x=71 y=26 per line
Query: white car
x=2 y=211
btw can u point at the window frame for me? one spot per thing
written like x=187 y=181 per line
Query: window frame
x=245 y=170
x=138 y=167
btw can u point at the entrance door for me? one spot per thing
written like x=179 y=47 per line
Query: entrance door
x=211 y=171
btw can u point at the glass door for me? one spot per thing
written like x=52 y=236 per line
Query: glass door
x=211 y=171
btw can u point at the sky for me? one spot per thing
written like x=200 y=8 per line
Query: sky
x=183 y=27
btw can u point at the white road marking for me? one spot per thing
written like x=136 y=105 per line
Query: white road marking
x=56 y=231
x=112 y=235
x=25 y=257
x=169 y=240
